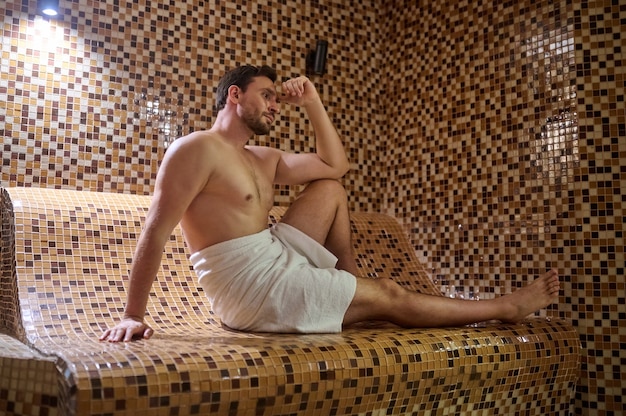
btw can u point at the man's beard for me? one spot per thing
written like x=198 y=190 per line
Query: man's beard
x=257 y=124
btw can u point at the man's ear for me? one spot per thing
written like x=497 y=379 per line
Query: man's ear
x=233 y=93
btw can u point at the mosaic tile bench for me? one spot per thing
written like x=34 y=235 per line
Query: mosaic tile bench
x=65 y=257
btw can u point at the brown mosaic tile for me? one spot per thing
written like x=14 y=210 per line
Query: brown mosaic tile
x=508 y=156
x=27 y=380
x=458 y=120
x=72 y=256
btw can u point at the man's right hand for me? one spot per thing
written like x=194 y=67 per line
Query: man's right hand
x=127 y=330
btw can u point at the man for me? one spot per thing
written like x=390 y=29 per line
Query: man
x=300 y=276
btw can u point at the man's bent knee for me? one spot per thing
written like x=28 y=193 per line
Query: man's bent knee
x=375 y=299
x=326 y=187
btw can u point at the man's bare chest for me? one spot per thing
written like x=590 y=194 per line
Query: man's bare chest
x=245 y=178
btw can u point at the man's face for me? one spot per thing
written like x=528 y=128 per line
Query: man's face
x=258 y=105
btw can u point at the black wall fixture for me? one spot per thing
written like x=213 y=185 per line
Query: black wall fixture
x=316 y=60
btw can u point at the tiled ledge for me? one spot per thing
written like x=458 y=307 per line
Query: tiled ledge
x=66 y=256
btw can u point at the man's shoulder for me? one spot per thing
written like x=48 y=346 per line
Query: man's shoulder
x=203 y=139
x=200 y=148
x=201 y=135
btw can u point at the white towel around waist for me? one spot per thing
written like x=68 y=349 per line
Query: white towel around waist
x=278 y=280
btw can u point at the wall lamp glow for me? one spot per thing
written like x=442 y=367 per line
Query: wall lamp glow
x=49 y=7
x=316 y=60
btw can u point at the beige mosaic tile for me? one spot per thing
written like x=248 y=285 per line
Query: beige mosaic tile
x=71 y=266
x=458 y=120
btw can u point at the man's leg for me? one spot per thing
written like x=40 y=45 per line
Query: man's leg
x=383 y=299
x=321 y=212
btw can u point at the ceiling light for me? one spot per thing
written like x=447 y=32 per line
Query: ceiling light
x=49 y=7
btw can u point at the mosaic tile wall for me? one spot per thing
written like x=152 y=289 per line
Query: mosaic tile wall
x=91 y=100
x=493 y=130
x=507 y=156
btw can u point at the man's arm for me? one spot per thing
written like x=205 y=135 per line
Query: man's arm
x=330 y=160
x=181 y=177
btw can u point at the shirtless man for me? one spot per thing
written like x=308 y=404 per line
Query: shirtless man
x=220 y=189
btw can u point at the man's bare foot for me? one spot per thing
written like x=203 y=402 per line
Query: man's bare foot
x=538 y=294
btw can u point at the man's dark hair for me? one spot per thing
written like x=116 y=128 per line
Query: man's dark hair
x=241 y=76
